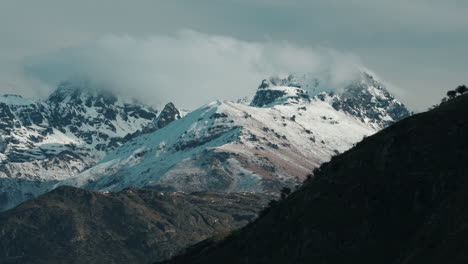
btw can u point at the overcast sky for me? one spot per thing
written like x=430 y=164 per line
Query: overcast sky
x=167 y=48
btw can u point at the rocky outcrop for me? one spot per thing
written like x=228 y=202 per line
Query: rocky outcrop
x=368 y=100
x=271 y=92
x=167 y=115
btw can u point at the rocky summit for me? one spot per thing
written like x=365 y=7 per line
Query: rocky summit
x=167 y=115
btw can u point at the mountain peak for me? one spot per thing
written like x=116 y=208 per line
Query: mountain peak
x=363 y=96
x=368 y=99
x=275 y=91
x=167 y=115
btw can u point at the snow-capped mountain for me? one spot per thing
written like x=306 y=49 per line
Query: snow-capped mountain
x=93 y=139
x=45 y=141
x=273 y=142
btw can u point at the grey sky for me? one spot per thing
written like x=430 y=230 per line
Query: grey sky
x=419 y=46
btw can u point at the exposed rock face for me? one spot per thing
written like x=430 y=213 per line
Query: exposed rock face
x=399 y=196
x=267 y=94
x=266 y=97
x=368 y=99
x=70 y=225
x=167 y=115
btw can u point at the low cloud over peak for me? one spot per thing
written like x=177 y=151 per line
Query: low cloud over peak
x=188 y=67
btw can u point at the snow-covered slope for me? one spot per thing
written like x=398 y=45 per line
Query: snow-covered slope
x=273 y=142
x=42 y=142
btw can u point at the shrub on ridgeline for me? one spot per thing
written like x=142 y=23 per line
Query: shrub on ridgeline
x=451 y=94
x=461 y=89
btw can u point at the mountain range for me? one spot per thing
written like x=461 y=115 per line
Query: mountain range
x=90 y=138
x=397 y=196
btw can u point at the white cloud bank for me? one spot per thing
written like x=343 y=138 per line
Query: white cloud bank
x=189 y=68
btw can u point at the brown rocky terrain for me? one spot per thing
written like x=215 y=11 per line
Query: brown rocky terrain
x=70 y=225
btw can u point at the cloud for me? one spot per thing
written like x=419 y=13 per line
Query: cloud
x=189 y=67
x=420 y=45
x=423 y=15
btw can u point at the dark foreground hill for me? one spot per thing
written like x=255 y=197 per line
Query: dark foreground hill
x=70 y=225
x=400 y=196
